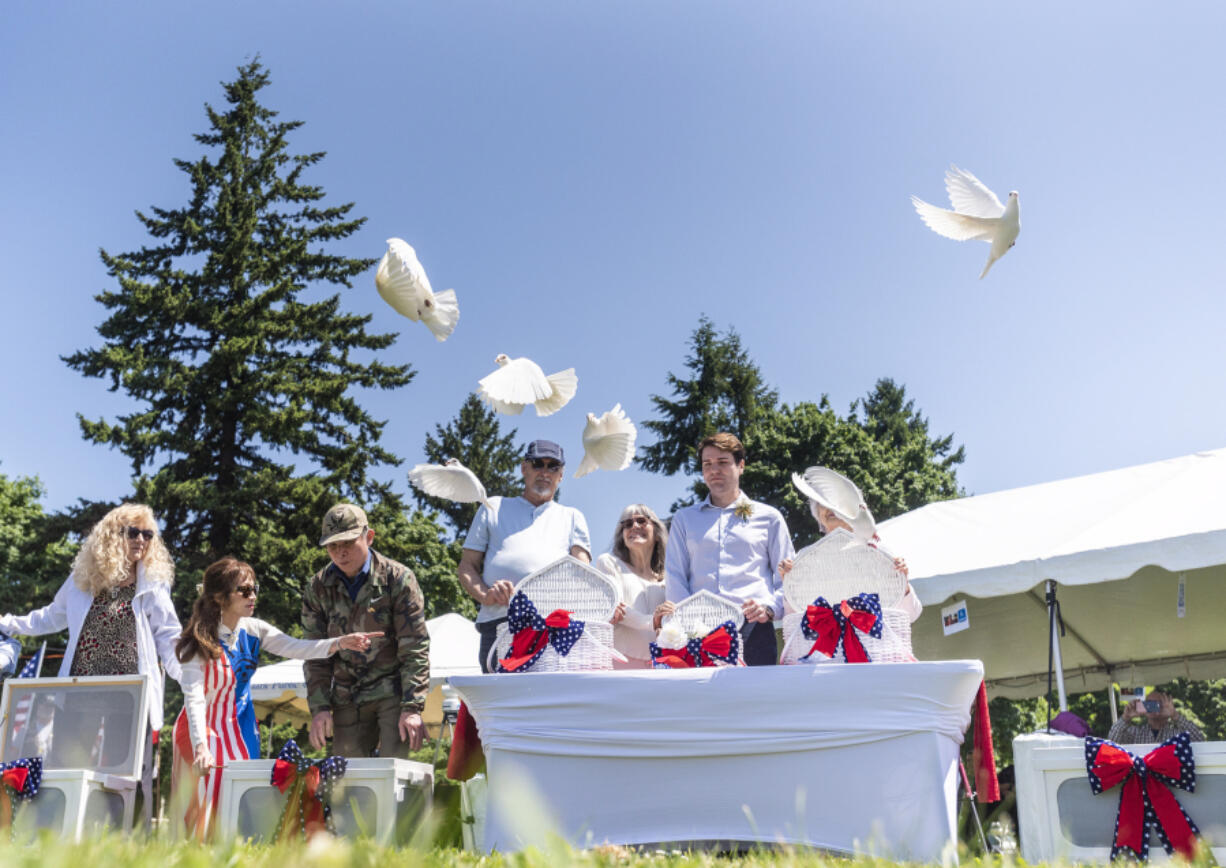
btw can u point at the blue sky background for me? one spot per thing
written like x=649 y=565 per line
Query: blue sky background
x=590 y=177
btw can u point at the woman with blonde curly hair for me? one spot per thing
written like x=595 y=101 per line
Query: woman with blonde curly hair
x=116 y=607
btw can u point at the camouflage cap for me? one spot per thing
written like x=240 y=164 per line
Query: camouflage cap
x=343 y=522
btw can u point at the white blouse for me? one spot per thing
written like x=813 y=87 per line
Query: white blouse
x=270 y=638
x=641 y=596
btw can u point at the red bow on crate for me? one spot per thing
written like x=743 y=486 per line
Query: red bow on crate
x=721 y=645
x=19 y=782
x=532 y=634
x=1146 y=801
x=308 y=808
x=829 y=626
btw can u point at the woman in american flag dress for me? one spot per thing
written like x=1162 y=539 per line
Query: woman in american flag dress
x=219 y=650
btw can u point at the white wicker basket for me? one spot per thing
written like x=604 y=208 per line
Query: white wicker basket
x=837 y=567
x=705 y=610
x=590 y=596
x=894 y=646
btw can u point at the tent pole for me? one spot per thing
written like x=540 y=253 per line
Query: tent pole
x=1057 y=662
x=1111 y=703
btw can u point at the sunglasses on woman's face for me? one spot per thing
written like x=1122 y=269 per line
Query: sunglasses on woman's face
x=248 y=591
x=134 y=532
x=635 y=521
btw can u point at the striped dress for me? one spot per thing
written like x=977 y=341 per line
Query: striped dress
x=217 y=711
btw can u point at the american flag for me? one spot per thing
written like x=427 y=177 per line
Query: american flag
x=21 y=713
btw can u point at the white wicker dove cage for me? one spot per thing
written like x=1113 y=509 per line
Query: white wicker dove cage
x=702 y=612
x=590 y=596
x=837 y=567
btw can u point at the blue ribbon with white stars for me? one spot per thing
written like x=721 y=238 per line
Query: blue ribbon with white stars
x=562 y=630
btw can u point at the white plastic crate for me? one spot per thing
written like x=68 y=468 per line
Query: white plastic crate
x=381 y=798
x=472 y=813
x=1061 y=819
x=73 y=803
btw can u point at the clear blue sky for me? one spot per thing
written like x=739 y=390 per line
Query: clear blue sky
x=591 y=176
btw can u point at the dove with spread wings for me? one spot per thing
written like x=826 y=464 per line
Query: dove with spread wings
x=402 y=282
x=608 y=442
x=977 y=215
x=520 y=382
x=450 y=480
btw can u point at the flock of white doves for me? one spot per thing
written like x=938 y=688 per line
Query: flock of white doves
x=608 y=440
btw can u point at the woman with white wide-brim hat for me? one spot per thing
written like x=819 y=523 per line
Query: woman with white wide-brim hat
x=836 y=502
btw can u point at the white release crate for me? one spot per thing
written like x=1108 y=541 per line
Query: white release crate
x=472 y=813
x=382 y=798
x=1062 y=820
x=90 y=733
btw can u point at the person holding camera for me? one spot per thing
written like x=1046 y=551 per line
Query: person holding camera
x=1152 y=721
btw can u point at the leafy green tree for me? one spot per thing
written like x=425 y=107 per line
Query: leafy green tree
x=237 y=362
x=36 y=551
x=474 y=438
x=883 y=444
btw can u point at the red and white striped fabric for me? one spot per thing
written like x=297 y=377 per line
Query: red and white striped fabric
x=225 y=742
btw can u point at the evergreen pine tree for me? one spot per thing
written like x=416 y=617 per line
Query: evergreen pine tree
x=236 y=365
x=474 y=438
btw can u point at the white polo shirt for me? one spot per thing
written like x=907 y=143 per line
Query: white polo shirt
x=519 y=538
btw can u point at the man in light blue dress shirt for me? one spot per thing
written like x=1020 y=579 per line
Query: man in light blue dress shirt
x=515 y=536
x=732 y=546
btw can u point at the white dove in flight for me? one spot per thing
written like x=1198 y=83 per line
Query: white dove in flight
x=519 y=382
x=608 y=442
x=451 y=480
x=977 y=215
x=403 y=284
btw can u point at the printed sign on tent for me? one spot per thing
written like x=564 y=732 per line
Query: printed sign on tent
x=954 y=618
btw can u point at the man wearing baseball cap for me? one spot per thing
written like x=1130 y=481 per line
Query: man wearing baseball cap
x=515 y=536
x=374 y=698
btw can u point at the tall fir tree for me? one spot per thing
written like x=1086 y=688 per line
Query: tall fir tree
x=725 y=391
x=236 y=365
x=474 y=438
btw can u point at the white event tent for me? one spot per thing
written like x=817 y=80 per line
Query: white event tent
x=1138 y=561
x=280 y=689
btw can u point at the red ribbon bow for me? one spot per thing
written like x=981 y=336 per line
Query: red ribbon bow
x=715 y=647
x=1145 y=789
x=821 y=620
x=15 y=778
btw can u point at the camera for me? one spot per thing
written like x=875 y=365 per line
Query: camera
x=1152 y=706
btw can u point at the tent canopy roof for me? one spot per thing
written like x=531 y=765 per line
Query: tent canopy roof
x=1098 y=528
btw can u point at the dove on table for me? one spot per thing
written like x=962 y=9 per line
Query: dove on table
x=608 y=442
x=450 y=480
x=519 y=382
x=402 y=282
x=977 y=215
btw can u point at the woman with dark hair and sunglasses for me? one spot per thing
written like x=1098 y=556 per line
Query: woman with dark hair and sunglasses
x=219 y=652
x=116 y=607
x=636 y=563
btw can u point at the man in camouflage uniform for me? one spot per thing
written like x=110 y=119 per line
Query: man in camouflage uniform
x=374 y=698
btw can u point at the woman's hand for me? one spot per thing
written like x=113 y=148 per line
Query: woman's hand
x=357 y=641
x=900 y=564
x=619 y=614
x=785 y=567
x=662 y=611
x=203 y=760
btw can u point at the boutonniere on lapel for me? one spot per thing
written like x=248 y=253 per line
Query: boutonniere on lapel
x=743 y=510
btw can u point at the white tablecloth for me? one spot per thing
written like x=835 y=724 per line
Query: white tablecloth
x=858 y=758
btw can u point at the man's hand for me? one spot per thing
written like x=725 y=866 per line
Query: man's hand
x=755 y=611
x=412 y=729
x=203 y=760
x=662 y=611
x=321 y=729
x=499 y=593
x=619 y=614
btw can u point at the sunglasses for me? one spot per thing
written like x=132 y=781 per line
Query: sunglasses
x=135 y=532
x=635 y=521
x=545 y=464
x=248 y=591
